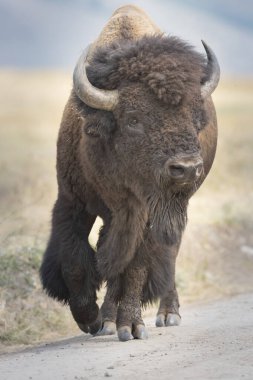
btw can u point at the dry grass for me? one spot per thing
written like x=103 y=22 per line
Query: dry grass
x=212 y=262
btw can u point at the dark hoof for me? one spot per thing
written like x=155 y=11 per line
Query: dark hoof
x=171 y=319
x=160 y=320
x=124 y=333
x=140 y=332
x=108 y=328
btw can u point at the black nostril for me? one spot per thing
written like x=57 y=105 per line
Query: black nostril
x=176 y=170
x=185 y=172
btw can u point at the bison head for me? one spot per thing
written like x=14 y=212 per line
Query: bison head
x=146 y=112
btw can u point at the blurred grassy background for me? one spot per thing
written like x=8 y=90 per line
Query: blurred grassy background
x=216 y=257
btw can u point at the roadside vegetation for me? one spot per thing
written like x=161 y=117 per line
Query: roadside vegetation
x=216 y=258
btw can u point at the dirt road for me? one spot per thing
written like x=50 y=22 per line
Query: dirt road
x=215 y=341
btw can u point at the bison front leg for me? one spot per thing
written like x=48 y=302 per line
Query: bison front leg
x=68 y=271
x=168 y=312
x=123 y=235
x=129 y=319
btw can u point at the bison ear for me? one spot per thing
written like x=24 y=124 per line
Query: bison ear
x=100 y=124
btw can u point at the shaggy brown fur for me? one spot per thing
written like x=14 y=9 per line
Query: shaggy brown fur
x=167 y=65
x=115 y=165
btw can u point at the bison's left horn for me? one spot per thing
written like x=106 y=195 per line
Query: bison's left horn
x=213 y=73
x=90 y=95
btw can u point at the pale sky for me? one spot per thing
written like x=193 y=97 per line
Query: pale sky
x=52 y=33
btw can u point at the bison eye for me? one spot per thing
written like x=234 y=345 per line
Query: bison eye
x=132 y=122
x=133 y=125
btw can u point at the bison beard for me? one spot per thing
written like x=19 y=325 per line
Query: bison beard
x=168 y=217
x=135 y=162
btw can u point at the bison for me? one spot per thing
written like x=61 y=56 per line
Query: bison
x=137 y=138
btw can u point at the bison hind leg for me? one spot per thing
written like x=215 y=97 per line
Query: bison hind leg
x=168 y=312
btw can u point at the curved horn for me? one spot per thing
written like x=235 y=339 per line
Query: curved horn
x=90 y=95
x=213 y=73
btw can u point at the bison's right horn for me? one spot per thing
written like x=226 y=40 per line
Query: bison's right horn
x=213 y=75
x=90 y=95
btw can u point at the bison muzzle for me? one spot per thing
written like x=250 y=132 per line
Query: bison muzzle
x=137 y=139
